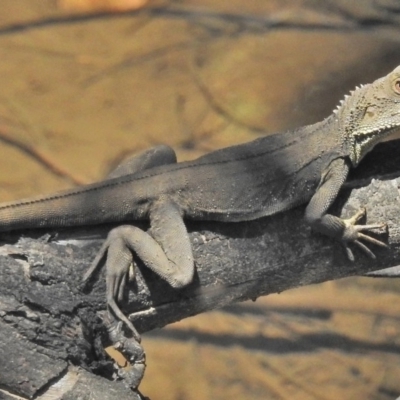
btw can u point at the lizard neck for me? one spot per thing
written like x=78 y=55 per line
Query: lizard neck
x=334 y=126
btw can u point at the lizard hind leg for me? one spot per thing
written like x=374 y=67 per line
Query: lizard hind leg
x=120 y=244
x=169 y=230
x=166 y=251
x=154 y=157
x=171 y=263
x=119 y=260
x=116 y=278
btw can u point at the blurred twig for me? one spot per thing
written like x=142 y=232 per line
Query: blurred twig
x=247 y=22
x=218 y=108
x=197 y=137
x=40 y=157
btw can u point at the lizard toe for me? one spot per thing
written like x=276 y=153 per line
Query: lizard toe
x=348 y=251
x=361 y=213
x=113 y=306
x=364 y=249
x=372 y=240
x=121 y=288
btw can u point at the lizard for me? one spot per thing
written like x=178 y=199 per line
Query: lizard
x=269 y=175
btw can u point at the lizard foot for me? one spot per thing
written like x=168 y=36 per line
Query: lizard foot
x=131 y=350
x=118 y=263
x=353 y=234
x=116 y=284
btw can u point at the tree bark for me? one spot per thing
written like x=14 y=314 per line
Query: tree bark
x=49 y=327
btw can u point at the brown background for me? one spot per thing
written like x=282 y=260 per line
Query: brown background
x=80 y=91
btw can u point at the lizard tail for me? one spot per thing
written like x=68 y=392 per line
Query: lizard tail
x=96 y=262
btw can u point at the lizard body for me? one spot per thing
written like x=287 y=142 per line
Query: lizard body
x=238 y=183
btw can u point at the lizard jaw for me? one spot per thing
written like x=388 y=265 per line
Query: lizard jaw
x=365 y=140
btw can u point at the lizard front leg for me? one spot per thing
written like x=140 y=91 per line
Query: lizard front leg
x=345 y=230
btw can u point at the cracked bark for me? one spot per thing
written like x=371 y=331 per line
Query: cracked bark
x=48 y=326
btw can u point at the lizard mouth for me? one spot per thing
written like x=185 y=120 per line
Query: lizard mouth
x=392 y=135
x=367 y=139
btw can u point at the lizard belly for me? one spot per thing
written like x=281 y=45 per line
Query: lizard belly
x=247 y=193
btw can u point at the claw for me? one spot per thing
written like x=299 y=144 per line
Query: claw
x=365 y=249
x=372 y=240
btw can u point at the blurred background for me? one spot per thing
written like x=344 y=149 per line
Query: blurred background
x=83 y=83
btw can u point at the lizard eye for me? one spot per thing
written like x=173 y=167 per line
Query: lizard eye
x=396 y=86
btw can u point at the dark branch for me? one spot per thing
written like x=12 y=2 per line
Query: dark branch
x=46 y=321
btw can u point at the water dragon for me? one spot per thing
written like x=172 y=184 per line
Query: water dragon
x=269 y=175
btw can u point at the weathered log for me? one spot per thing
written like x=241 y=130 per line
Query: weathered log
x=48 y=324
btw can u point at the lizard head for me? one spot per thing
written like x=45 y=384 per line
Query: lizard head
x=369 y=114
